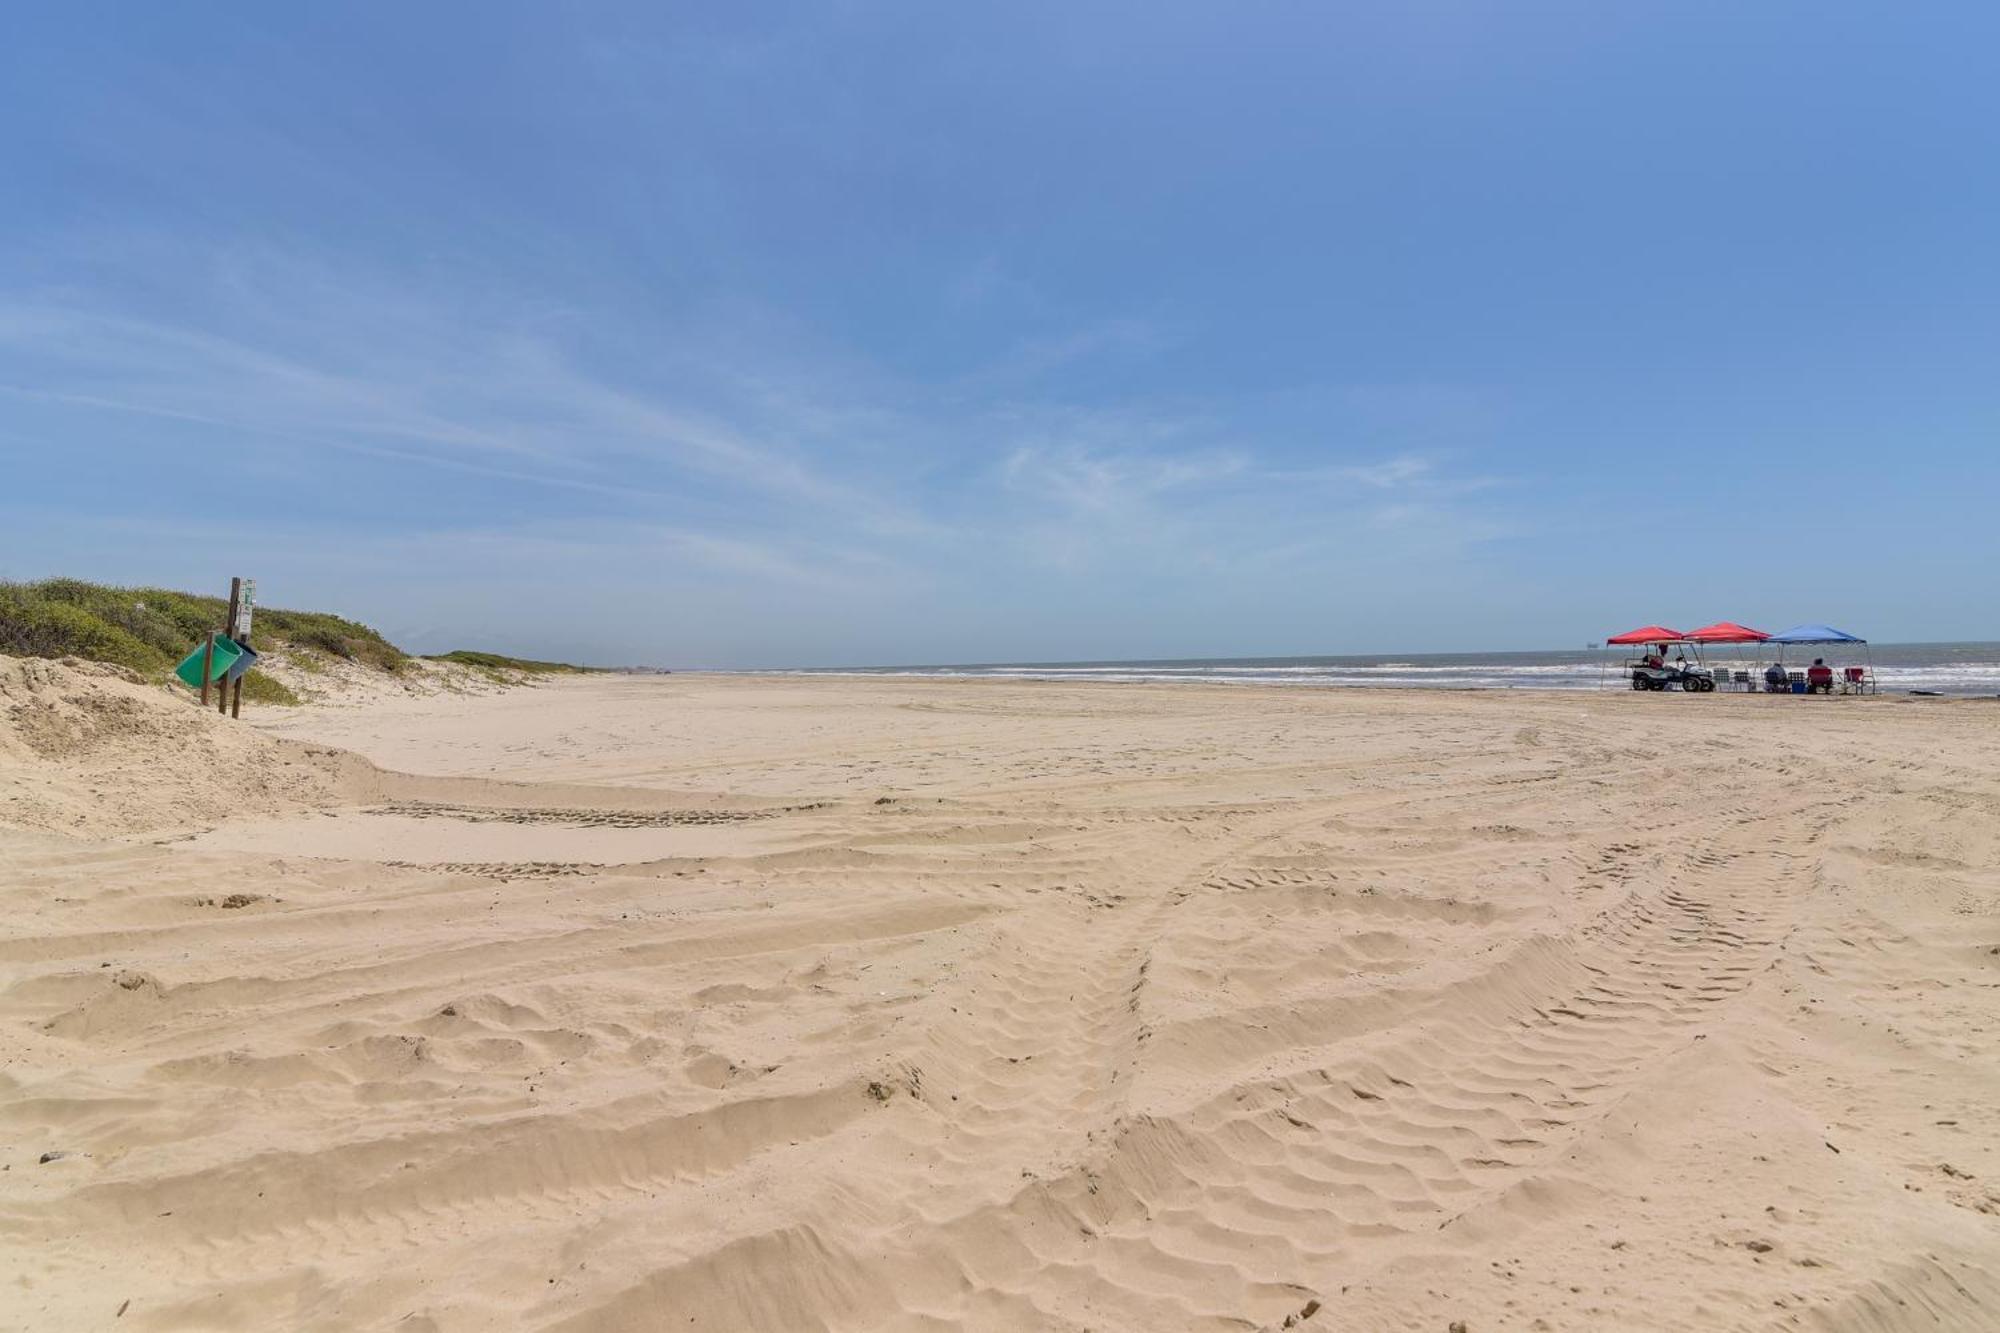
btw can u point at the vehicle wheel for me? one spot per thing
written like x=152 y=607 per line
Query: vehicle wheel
x=1638 y=681
x=1708 y=687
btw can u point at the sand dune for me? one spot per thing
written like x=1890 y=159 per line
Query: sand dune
x=732 y=1004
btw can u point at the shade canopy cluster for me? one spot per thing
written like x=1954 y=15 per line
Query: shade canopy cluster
x=1728 y=631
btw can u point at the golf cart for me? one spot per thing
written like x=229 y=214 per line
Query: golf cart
x=1691 y=677
x=1653 y=671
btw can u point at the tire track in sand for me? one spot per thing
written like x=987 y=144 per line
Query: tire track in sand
x=1269 y=1187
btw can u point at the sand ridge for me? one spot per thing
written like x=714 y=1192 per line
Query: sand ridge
x=869 y=1004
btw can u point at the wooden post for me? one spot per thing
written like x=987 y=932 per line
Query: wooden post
x=229 y=628
x=207 y=658
x=236 y=698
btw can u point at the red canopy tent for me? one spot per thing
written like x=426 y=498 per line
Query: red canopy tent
x=1725 y=631
x=1648 y=634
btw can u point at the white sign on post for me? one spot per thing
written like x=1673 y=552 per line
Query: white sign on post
x=245 y=603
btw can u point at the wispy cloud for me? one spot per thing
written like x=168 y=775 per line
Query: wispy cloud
x=1399 y=473
x=430 y=385
x=179 y=372
x=1177 y=495
x=1098 y=483
x=1043 y=355
x=736 y=456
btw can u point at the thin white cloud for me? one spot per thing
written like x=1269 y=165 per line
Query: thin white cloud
x=146 y=367
x=1096 y=482
x=428 y=389
x=739 y=462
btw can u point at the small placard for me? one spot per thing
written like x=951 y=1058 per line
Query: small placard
x=246 y=602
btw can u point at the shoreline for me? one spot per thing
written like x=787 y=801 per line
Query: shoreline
x=1558 y=691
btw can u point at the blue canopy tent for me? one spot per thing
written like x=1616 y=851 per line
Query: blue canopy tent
x=1815 y=634
x=1828 y=634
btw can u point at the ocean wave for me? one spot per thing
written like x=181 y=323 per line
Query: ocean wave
x=1947 y=669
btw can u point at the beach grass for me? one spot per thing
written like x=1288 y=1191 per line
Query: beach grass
x=149 y=630
x=498 y=662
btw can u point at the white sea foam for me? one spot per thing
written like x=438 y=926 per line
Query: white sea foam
x=1964 y=669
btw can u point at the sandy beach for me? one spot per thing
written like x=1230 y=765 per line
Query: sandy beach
x=637 y=1003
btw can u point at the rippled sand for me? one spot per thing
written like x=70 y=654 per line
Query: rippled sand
x=733 y=1004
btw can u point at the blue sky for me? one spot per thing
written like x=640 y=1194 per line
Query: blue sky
x=870 y=333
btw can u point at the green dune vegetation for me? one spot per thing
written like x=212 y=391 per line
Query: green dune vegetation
x=496 y=662
x=150 y=629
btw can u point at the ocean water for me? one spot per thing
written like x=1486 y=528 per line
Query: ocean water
x=1947 y=668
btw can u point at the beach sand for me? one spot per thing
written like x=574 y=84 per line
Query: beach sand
x=635 y=1003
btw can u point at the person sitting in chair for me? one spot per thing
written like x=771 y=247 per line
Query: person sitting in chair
x=1774 y=678
x=1819 y=677
x=1657 y=656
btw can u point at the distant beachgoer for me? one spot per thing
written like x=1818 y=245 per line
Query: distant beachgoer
x=1774 y=676
x=1819 y=677
x=1658 y=657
